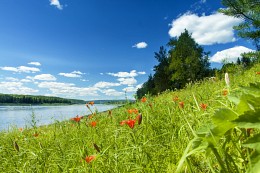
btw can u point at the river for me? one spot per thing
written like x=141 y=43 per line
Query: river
x=21 y=116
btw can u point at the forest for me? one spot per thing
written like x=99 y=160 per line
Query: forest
x=32 y=99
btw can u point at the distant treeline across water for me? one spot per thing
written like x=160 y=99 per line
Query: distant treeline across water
x=30 y=99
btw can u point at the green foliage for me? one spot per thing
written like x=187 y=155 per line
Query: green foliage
x=30 y=99
x=231 y=135
x=249 y=11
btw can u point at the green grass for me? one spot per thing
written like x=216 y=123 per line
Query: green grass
x=158 y=144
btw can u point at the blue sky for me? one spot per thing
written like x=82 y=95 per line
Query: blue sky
x=101 y=49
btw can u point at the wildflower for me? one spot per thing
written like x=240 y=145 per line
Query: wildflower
x=36 y=134
x=181 y=104
x=90 y=116
x=21 y=129
x=175 y=99
x=224 y=92
x=135 y=111
x=77 y=118
x=227 y=79
x=122 y=122
x=130 y=111
x=257 y=72
x=203 y=106
x=144 y=99
x=109 y=112
x=139 y=118
x=131 y=123
x=90 y=158
x=91 y=103
x=93 y=123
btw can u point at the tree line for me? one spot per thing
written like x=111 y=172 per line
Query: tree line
x=184 y=61
x=30 y=99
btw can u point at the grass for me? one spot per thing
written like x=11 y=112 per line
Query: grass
x=159 y=144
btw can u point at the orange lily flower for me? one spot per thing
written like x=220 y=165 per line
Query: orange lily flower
x=175 y=99
x=91 y=103
x=203 y=106
x=135 y=111
x=122 y=122
x=139 y=118
x=144 y=99
x=131 y=123
x=224 y=92
x=90 y=158
x=130 y=111
x=181 y=104
x=77 y=118
x=257 y=72
x=93 y=123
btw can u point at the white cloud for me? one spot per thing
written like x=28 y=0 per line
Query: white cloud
x=56 y=3
x=68 y=89
x=140 y=45
x=230 y=55
x=46 y=77
x=35 y=63
x=112 y=92
x=74 y=74
x=127 y=81
x=141 y=72
x=12 y=79
x=206 y=30
x=21 y=69
x=16 y=88
x=106 y=84
x=132 y=73
x=130 y=89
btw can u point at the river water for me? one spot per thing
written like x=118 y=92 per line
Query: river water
x=21 y=116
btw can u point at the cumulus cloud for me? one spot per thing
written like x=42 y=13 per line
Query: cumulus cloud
x=112 y=92
x=35 y=63
x=140 y=45
x=206 y=30
x=127 y=81
x=230 y=55
x=21 y=69
x=68 y=89
x=16 y=88
x=130 y=89
x=74 y=74
x=12 y=79
x=132 y=73
x=56 y=3
x=106 y=84
x=46 y=77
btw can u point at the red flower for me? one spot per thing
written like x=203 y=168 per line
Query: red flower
x=203 y=106
x=122 y=122
x=90 y=158
x=93 y=123
x=131 y=123
x=175 y=99
x=91 y=103
x=144 y=99
x=77 y=118
x=130 y=111
x=181 y=104
x=224 y=92
x=135 y=111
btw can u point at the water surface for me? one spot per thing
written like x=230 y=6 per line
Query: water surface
x=21 y=116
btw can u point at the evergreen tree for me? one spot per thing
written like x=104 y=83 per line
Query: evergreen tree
x=162 y=76
x=249 y=11
x=147 y=88
x=188 y=62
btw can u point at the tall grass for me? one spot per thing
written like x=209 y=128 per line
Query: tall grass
x=163 y=142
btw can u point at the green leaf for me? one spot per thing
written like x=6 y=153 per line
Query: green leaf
x=233 y=99
x=250 y=119
x=255 y=163
x=223 y=115
x=253 y=89
x=253 y=142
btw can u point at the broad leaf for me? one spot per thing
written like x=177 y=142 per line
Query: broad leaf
x=253 y=143
x=250 y=119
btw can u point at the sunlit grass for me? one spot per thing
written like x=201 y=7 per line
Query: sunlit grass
x=102 y=143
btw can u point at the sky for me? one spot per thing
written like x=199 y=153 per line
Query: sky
x=102 y=49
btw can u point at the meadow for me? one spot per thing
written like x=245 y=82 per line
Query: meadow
x=208 y=126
